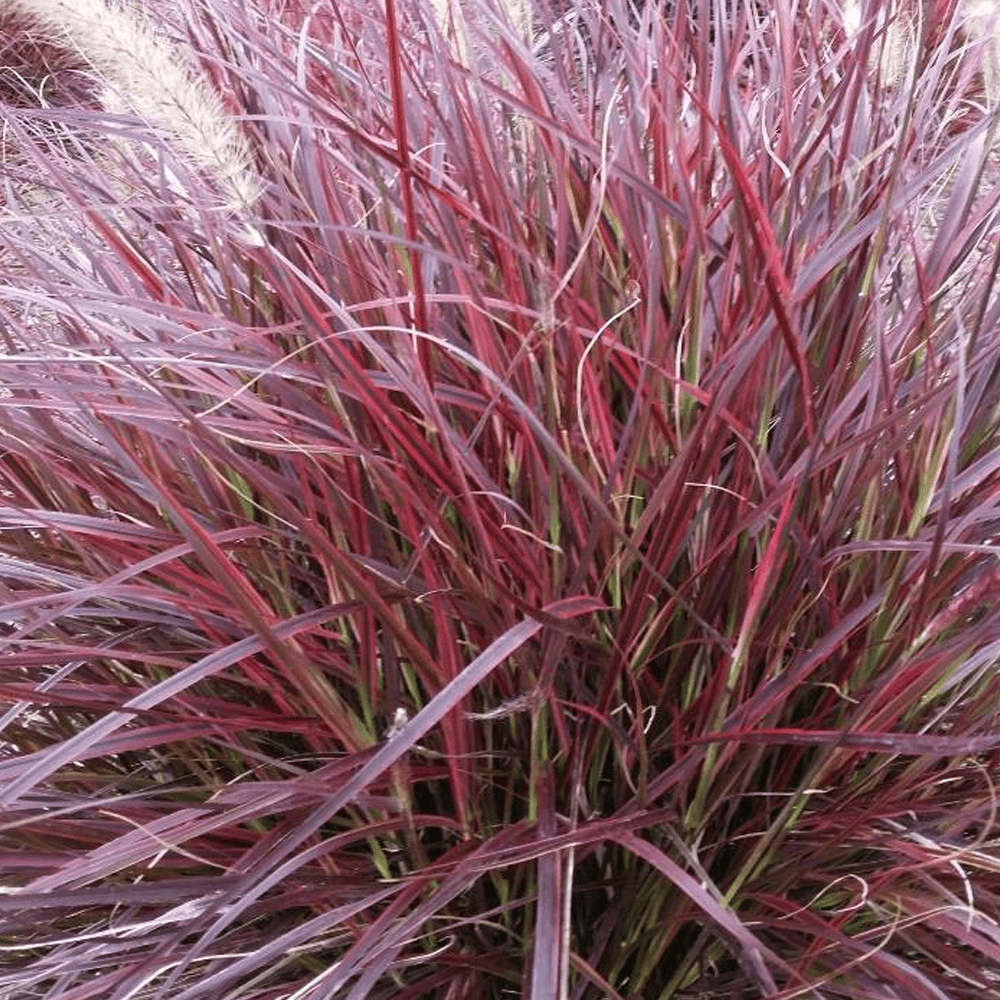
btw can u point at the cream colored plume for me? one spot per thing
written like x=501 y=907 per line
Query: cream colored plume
x=451 y=17
x=979 y=22
x=982 y=23
x=142 y=72
x=517 y=11
x=897 y=32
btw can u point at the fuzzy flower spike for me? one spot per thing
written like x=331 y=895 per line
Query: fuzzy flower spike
x=142 y=72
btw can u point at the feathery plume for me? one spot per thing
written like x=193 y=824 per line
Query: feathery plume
x=979 y=25
x=141 y=71
x=517 y=11
x=896 y=37
x=450 y=17
x=982 y=23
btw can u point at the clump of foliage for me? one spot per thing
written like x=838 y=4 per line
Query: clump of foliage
x=555 y=556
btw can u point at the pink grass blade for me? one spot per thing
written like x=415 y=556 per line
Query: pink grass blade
x=272 y=870
x=752 y=952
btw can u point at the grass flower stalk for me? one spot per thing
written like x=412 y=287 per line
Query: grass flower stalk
x=143 y=72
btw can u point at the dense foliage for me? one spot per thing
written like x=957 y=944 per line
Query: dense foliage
x=541 y=541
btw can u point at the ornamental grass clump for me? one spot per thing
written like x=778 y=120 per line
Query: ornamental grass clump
x=558 y=558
